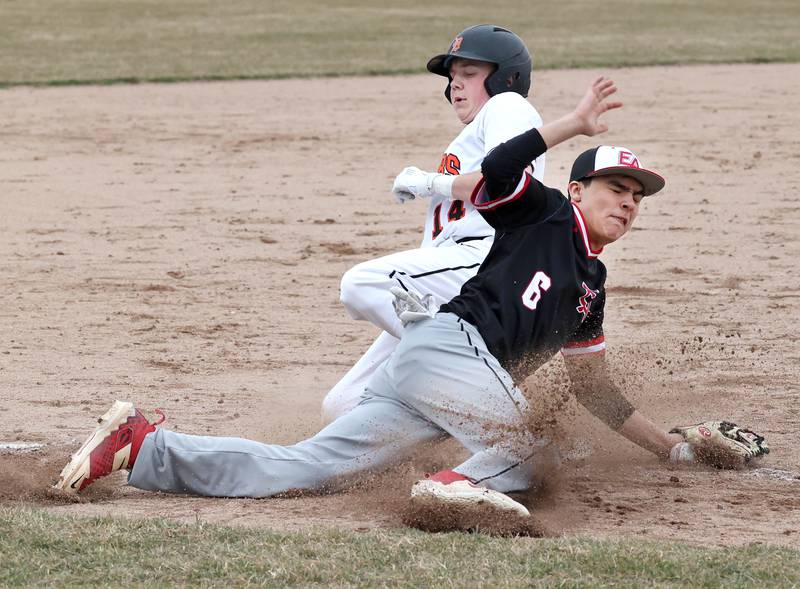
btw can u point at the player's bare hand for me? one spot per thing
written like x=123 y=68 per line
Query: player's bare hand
x=585 y=118
x=594 y=104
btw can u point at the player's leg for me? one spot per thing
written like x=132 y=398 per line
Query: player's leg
x=380 y=432
x=348 y=392
x=445 y=372
x=440 y=271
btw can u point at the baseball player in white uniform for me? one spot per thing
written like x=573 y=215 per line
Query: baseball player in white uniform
x=489 y=74
x=541 y=290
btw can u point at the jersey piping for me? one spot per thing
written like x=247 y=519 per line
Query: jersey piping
x=595 y=346
x=510 y=398
x=477 y=194
x=582 y=225
x=430 y=272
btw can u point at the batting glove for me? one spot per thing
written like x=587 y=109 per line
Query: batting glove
x=413 y=182
x=411 y=306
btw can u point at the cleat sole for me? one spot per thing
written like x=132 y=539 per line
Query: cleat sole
x=74 y=473
x=465 y=495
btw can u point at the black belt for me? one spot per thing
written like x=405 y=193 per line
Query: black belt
x=466 y=239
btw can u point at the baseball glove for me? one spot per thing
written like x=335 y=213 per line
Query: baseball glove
x=722 y=444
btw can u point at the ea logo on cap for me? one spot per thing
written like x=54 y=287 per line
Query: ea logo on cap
x=456 y=44
x=626 y=158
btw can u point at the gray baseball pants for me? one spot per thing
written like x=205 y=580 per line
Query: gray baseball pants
x=440 y=381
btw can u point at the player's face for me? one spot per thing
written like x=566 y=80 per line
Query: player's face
x=609 y=204
x=467 y=92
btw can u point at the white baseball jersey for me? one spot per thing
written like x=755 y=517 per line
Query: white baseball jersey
x=503 y=116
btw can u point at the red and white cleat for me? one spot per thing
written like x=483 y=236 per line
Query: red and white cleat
x=453 y=489
x=114 y=445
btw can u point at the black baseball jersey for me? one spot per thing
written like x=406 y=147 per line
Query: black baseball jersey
x=540 y=289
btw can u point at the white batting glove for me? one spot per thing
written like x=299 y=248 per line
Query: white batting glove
x=413 y=182
x=411 y=306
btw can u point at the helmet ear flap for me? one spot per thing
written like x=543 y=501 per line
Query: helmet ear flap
x=447 y=90
x=493 y=84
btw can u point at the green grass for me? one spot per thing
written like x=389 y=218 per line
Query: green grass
x=98 y=41
x=39 y=549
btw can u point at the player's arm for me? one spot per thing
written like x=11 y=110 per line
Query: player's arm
x=413 y=182
x=595 y=390
x=584 y=356
x=505 y=166
x=505 y=117
x=585 y=119
x=509 y=196
x=722 y=444
x=464 y=185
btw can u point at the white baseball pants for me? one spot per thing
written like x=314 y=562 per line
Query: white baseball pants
x=440 y=271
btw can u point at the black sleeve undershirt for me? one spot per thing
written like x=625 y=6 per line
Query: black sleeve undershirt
x=503 y=167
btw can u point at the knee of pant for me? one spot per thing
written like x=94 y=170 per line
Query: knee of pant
x=332 y=409
x=355 y=288
x=409 y=394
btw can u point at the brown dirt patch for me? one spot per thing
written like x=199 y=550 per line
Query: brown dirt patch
x=181 y=245
x=432 y=517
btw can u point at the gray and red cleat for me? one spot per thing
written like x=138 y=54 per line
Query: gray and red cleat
x=453 y=489
x=113 y=446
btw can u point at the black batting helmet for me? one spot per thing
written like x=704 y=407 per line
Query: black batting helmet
x=495 y=45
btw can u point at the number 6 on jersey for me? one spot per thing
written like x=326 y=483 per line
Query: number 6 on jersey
x=539 y=283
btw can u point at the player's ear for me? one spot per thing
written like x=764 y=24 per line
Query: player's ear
x=575 y=190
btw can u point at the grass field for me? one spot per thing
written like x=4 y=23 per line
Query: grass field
x=92 y=41
x=95 y=41
x=43 y=550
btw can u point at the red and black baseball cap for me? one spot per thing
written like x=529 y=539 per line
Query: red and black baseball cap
x=606 y=160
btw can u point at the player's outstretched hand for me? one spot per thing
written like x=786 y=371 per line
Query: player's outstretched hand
x=410 y=183
x=411 y=306
x=593 y=104
x=403 y=182
x=585 y=118
x=413 y=182
x=718 y=443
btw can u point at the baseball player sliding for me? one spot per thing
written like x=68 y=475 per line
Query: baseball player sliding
x=489 y=75
x=539 y=291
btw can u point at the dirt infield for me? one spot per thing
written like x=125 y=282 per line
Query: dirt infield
x=181 y=246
